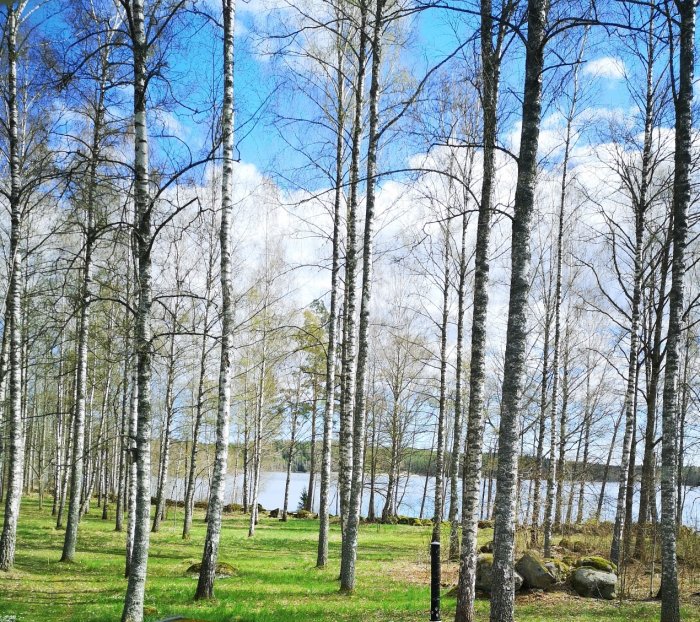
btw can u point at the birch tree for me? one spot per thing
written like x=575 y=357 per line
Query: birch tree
x=350 y=535
x=88 y=196
x=684 y=23
x=502 y=596
x=28 y=167
x=205 y=586
x=491 y=54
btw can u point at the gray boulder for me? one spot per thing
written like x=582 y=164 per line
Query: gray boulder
x=559 y=569
x=594 y=583
x=486 y=548
x=484 y=574
x=535 y=574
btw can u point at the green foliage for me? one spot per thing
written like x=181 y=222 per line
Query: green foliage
x=303 y=499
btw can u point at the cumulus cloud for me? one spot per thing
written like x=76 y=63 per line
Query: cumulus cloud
x=605 y=67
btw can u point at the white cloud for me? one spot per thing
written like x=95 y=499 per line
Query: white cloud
x=605 y=67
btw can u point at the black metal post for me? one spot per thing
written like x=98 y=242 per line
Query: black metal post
x=434 y=582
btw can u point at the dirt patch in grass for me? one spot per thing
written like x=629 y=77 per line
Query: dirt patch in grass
x=418 y=573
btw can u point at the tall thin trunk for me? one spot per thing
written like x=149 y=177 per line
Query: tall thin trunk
x=587 y=416
x=442 y=401
x=640 y=208
x=257 y=442
x=371 y=512
x=683 y=412
x=575 y=466
x=544 y=401
x=629 y=491
x=349 y=365
x=123 y=441
x=133 y=601
x=205 y=586
x=563 y=434
x=167 y=425
x=473 y=453
x=133 y=423
x=389 y=508
x=198 y=415
x=427 y=475
x=350 y=535
x=312 y=447
x=96 y=470
x=552 y=470
x=14 y=304
x=630 y=415
x=647 y=494
x=502 y=596
x=292 y=447
x=670 y=609
x=606 y=469
x=68 y=424
x=59 y=429
x=456 y=457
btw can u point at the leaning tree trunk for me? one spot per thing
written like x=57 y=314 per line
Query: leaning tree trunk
x=502 y=596
x=458 y=420
x=670 y=610
x=442 y=403
x=257 y=442
x=205 y=586
x=606 y=469
x=325 y=474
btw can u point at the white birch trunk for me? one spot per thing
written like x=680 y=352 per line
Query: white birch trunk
x=205 y=586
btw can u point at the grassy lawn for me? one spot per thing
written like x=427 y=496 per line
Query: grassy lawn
x=276 y=580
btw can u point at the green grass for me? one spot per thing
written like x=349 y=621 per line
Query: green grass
x=276 y=579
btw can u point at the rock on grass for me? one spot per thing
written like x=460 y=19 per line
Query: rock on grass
x=484 y=578
x=594 y=583
x=533 y=571
x=223 y=570
x=599 y=563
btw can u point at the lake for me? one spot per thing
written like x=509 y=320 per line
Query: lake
x=410 y=495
